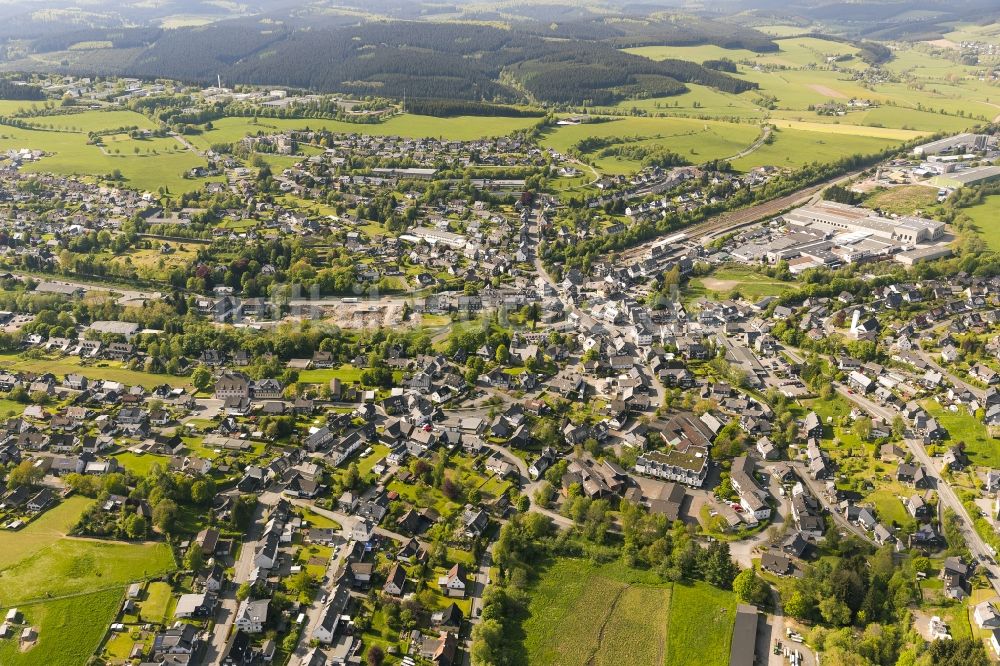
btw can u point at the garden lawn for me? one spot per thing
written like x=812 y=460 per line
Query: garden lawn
x=140 y=464
x=153 y=607
x=963 y=427
x=69 y=630
x=73 y=566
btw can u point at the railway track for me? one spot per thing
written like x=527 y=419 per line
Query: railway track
x=730 y=221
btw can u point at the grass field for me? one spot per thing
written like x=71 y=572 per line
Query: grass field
x=963 y=427
x=461 y=128
x=986 y=217
x=41 y=533
x=701 y=625
x=71 y=155
x=345 y=373
x=105 y=370
x=793 y=148
x=607 y=614
x=69 y=630
x=890 y=509
x=903 y=200
x=153 y=608
x=751 y=284
x=696 y=140
x=73 y=566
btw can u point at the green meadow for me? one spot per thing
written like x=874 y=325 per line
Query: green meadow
x=696 y=140
x=461 y=128
x=69 y=629
x=583 y=613
x=793 y=148
x=986 y=217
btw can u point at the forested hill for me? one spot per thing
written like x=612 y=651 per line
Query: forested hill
x=461 y=61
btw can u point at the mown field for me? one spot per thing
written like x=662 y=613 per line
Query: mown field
x=583 y=613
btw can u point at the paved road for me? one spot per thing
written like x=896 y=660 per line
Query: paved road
x=957 y=381
x=743 y=552
x=945 y=492
x=228 y=605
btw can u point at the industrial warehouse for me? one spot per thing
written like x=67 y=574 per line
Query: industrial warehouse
x=832 y=234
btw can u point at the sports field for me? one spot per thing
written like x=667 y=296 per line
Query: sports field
x=583 y=613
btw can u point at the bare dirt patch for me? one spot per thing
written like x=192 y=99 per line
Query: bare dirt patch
x=715 y=284
x=829 y=92
x=945 y=44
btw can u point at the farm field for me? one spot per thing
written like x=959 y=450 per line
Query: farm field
x=932 y=99
x=986 y=217
x=793 y=148
x=696 y=140
x=585 y=613
x=69 y=630
x=146 y=164
x=850 y=130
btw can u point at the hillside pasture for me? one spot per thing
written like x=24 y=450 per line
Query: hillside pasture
x=793 y=148
x=697 y=141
